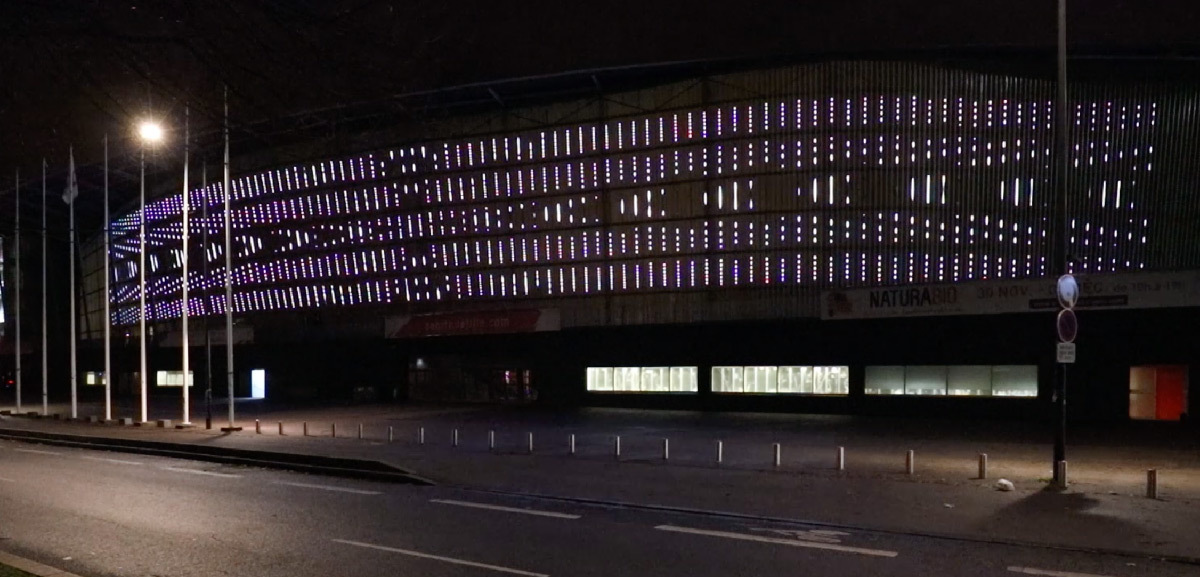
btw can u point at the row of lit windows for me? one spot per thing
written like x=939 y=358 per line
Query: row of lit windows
x=642 y=379
x=782 y=380
x=954 y=380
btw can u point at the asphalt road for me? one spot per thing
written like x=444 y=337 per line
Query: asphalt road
x=99 y=513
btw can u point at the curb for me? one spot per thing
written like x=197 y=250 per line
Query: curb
x=314 y=464
x=32 y=567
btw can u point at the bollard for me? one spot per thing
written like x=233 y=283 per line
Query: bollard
x=454 y=441
x=617 y=446
x=778 y=456
x=983 y=465
x=421 y=436
x=333 y=430
x=910 y=466
x=360 y=431
x=571 y=442
x=281 y=428
x=391 y=434
x=720 y=451
x=305 y=428
x=257 y=427
x=840 y=464
x=1060 y=468
x=491 y=440
x=530 y=443
x=1151 y=483
x=666 y=449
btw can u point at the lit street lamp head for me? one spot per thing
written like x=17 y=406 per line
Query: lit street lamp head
x=150 y=131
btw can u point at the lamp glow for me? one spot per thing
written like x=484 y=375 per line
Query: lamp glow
x=150 y=131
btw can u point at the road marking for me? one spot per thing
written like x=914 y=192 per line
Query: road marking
x=777 y=541
x=329 y=488
x=35 y=451
x=440 y=558
x=117 y=461
x=1048 y=573
x=506 y=509
x=199 y=472
x=7 y=480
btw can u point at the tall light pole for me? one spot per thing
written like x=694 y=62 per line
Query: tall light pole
x=184 y=309
x=17 y=282
x=107 y=296
x=45 y=377
x=1061 y=136
x=150 y=132
x=69 y=195
x=229 y=374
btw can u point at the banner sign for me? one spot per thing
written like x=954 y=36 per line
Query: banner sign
x=472 y=323
x=1098 y=291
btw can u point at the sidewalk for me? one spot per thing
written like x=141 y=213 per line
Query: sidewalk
x=1104 y=509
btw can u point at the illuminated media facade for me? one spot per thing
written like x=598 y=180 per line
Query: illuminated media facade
x=783 y=181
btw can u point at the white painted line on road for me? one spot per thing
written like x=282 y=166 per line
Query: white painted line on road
x=1049 y=573
x=199 y=472
x=37 y=452
x=440 y=558
x=117 y=461
x=7 y=480
x=506 y=509
x=778 y=541
x=329 y=488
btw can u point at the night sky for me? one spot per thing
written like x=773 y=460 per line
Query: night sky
x=72 y=70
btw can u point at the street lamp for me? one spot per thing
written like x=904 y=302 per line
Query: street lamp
x=150 y=132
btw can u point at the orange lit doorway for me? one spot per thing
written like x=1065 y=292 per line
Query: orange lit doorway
x=1158 y=393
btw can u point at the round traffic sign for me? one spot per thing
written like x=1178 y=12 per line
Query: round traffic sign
x=1068 y=291
x=1067 y=325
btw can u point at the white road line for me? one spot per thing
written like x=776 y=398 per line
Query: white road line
x=35 y=451
x=777 y=541
x=506 y=509
x=117 y=461
x=1048 y=573
x=440 y=558
x=329 y=488
x=199 y=472
x=7 y=480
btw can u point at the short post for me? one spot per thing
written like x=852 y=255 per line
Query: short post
x=305 y=428
x=571 y=442
x=530 y=443
x=391 y=434
x=666 y=449
x=720 y=451
x=454 y=441
x=778 y=456
x=257 y=427
x=333 y=430
x=617 y=446
x=281 y=428
x=910 y=465
x=492 y=440
x=840 y=464
x=1151 y=483
x=421 y=436
x=1061 y=469
x=360 y=431
x=983 y=465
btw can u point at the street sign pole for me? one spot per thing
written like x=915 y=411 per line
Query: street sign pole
x=1062 y=125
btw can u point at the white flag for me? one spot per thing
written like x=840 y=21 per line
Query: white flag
x=72 y=190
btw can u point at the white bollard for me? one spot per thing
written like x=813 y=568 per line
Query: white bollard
x=421 y=436
x=391 y=434
x=280 y=428
x=1061 y=470
x=360 y=431
x=491 y=440
x=778 y=456
x=305 y=428
x=454 y=441
x=983 y=465
x=571 y=441
x=530 y=443
x=257 y=427
x=666 y=449
x=1152 y=483
x=910 y=465
x=617 y=446
x=720 y=451
x=840 y=464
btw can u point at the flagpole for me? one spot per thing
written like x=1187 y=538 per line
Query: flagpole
x=45 y=378
x=17 y=282
x=142 y=286
x=72 y=191
x=228 y=275
x=207 y=304
x=184 y=313
x=107 y=296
